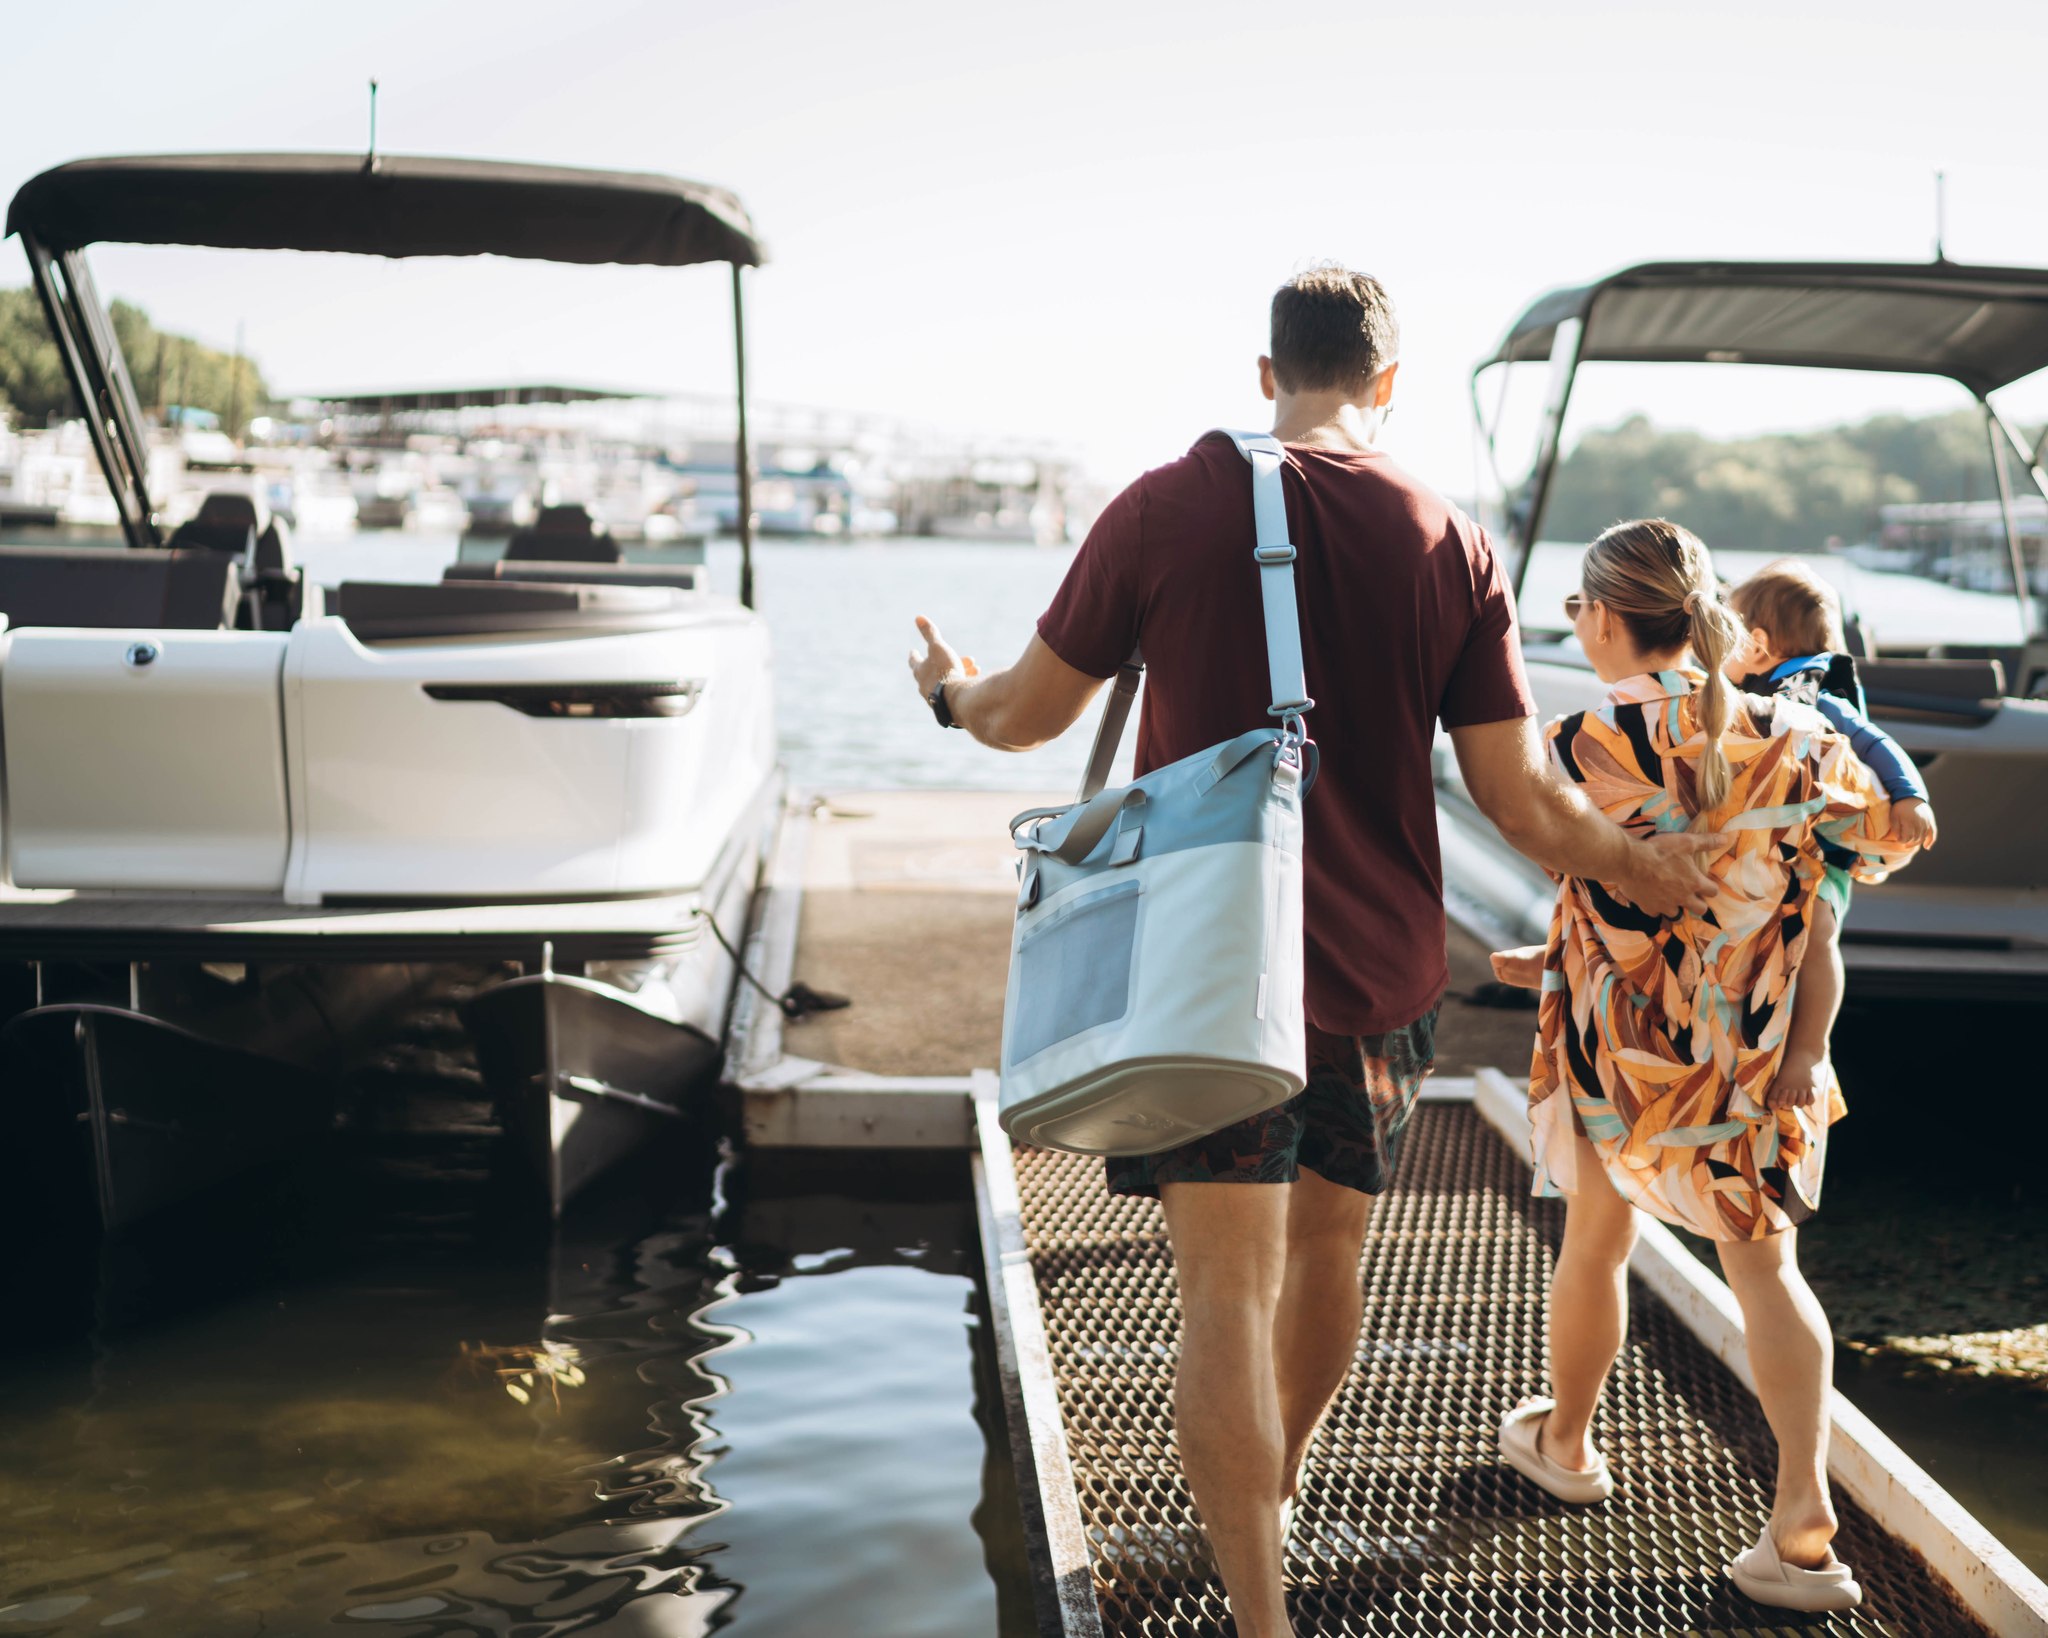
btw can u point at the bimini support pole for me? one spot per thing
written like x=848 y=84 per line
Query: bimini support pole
x=105 y=350
x=742 y=460
x=1565 y=343
x=2015 y=551
x=94 y=401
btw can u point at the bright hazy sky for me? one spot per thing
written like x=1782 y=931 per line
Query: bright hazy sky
x=1060 y=220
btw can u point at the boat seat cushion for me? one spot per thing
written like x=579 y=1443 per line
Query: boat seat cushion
x=1912 y=682
x=543 y=546
x=225 y=522
x=684 y=577
x=385 y=611
x=106 y=587
x=235 y=539
x=274 y=546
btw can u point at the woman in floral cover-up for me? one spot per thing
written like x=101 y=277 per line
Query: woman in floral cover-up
x=1660 y=1065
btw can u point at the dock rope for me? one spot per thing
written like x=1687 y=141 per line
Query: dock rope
x=798 y=1001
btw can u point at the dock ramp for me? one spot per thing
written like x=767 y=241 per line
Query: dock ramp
x=1409 y=1522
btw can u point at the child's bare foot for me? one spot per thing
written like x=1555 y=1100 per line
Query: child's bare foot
x=1802 y=1081
x=1520 y=968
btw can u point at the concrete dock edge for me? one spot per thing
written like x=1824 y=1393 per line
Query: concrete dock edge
x=1063 y=1579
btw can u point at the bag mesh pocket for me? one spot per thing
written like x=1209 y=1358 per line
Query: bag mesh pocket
x=1074 y=971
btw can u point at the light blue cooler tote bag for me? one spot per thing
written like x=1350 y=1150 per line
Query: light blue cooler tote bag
x=1156 y=967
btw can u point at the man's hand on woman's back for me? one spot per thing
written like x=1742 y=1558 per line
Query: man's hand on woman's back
x=1669 y=872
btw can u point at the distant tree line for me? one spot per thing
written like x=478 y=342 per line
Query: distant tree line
x=166 y=369
x=1783 y=492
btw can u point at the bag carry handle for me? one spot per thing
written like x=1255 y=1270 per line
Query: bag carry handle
x=1275 y=555
x=1071 y=833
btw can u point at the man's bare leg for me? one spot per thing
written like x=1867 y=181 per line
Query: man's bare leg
x=1229 y=1258
x=1322 y=1306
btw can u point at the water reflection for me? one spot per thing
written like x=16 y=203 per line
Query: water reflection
x=682 y=1415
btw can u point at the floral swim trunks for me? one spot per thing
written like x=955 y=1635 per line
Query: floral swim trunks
x=1345 y=1126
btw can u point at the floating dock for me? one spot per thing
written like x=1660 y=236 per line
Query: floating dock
x=1409 y=1522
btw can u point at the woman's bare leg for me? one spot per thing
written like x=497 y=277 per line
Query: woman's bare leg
x=1588 y=1309
x=1792 y=1355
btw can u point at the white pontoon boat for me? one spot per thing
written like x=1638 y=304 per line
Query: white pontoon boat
x=242 y=818
x=1971 y=918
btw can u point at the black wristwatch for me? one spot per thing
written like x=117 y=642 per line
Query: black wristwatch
x=936 y=699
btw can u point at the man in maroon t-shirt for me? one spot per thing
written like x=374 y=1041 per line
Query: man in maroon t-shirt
x=1407 y=620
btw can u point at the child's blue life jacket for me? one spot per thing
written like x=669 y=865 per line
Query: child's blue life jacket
x=1828 y=683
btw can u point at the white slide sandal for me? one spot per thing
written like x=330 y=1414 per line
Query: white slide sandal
x=1519 y=1449
x=1765 y=1578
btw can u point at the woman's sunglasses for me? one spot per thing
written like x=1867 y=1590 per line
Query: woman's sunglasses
x=1574 y=606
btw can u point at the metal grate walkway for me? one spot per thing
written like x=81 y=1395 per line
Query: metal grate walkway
x=1409 y=1523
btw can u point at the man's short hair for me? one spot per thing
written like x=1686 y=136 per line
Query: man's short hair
x=1793 y=607
x=1332 y=328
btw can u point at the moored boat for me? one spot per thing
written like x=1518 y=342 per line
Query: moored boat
x=212 y=766
x=1958 y=676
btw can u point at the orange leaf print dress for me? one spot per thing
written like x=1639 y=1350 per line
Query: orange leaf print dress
x=1659 y=1038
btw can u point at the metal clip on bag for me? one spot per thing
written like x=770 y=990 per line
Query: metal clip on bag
x=1156 y=966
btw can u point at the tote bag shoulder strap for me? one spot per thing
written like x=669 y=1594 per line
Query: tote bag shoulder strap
x=1275 y=555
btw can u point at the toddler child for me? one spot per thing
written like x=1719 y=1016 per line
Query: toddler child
x=1794 y=646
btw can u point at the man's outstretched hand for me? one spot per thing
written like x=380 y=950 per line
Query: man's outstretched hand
x=1668 y=874
x=938 y=663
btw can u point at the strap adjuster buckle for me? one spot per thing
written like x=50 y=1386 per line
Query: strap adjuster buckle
x=1282 y=553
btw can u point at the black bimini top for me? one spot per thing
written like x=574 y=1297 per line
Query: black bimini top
x=1983 y=326
x=399 y=206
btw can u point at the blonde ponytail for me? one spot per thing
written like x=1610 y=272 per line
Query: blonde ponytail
x=1714 y=637
x=1656 y=577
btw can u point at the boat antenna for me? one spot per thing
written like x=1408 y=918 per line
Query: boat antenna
x=1941 y=216
x=370 y=158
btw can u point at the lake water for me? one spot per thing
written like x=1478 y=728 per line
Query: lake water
x=753 y=1399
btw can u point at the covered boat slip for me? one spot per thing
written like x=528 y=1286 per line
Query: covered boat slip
x=1410 y=1523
